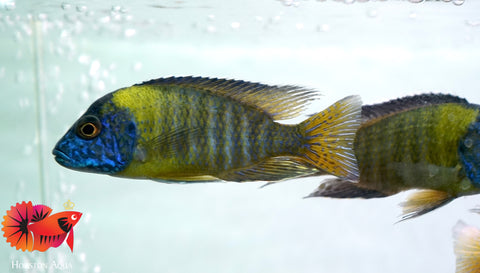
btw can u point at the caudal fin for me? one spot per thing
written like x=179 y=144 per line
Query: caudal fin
x=467 y=248
x=15 y=224
x=330 y=135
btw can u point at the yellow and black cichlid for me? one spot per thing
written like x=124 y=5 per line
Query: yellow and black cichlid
x=426 y=142
x=187 y=129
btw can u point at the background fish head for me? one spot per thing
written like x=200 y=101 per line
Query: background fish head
x=469 y=151
x=101 y=141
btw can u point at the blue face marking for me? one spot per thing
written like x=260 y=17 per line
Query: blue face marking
x=469 y=151
x=108 y=150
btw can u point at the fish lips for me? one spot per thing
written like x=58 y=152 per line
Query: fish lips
x=62 y=158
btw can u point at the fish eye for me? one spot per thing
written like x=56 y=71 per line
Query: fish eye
x=74 y=217
x=88 y=127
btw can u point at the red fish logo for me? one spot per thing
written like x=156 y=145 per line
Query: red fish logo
x=29 y=227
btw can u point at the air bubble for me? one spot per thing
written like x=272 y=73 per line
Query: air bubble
x=101 y=85
x=84 y=59
x=137 y=66
x=66 y=6
x=116 y=8
x=235 y=25
x=81 y=8
x=458 y=2
x=129 y=32
x=211 y=29
x=96 y=269
x=7 y=5
x=94 y=67
x=82 y=257
x=323 y=28
x=415 y=1
x=372 y=13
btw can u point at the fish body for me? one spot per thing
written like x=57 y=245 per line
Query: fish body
x=190 y=129
x=29 y=227
x=426 y=142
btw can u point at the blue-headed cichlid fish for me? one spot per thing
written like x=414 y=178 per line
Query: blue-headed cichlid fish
x=193 y=129
x=427 y=142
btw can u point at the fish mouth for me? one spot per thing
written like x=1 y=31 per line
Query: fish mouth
x=61 y=157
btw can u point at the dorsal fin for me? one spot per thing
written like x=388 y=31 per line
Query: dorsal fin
x=408 y=103
x=279 y=102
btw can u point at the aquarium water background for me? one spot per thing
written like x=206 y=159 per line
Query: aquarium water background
x=57 y=57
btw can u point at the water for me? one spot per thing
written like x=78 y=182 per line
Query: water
x=59 y=56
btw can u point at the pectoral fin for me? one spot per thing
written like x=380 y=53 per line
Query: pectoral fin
x=168 y=144
x=424 y=201
x=341 y=188
x=70 y=239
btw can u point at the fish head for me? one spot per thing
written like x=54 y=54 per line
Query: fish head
x=469 y=151
x=101 y=141
x=67 y=219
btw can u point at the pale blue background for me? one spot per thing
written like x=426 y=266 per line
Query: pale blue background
x=57 y=57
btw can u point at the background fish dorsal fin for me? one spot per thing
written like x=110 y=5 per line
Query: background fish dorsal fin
x=279 y=102
x=408 y=103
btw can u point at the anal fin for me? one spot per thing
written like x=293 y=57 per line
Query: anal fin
x=342 y=188
x=271 y=169
x=424 y=201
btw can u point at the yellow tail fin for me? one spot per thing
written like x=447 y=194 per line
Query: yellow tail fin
x=330 y=135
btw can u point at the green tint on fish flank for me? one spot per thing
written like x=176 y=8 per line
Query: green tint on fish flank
x=198 y=129
x=413 y=149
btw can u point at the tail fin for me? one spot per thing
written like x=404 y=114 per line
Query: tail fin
x=15 y=224
x=467 y=248
x=330 y=135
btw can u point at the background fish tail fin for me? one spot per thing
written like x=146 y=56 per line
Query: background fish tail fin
x=330 y=136
x=15 y=226
x=466 y=241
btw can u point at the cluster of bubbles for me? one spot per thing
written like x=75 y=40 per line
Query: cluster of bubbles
x=296 y=3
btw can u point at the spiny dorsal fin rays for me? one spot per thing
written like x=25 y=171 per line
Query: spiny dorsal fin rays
x=466 y=241
x=279 y=102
